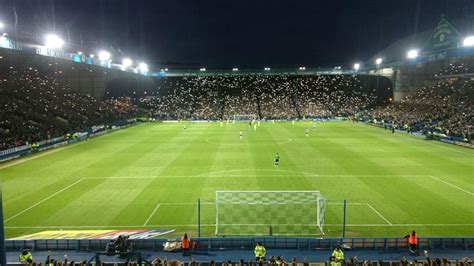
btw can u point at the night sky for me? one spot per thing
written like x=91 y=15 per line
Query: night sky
x=222 y=33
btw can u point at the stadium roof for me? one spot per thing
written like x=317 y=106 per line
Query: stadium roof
x=446 y=34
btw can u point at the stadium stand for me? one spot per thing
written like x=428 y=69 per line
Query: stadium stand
x=445 y=108
x=36 y=107
x=265 y=97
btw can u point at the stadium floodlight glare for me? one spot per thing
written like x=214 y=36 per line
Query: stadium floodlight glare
x=202 y=69
x=104 y=56
x=267 y=69
x=356 y=66
x=235 y=69
x=166 y=69
x=143 y=67
x=53 y=41
x=468 y=41
x=302 y=68
x=126 y=62
x=378 y=61
x=412 y=54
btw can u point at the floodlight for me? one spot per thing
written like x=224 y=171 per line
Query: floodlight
x=92 y=56
x=143 y=67
x=235 y=69
x=302 y=68
x=2 y=25
x=356 y=66
x=53 y=41
x=104 y=56
x=413 y=54
x=202 y=69
x=267 y=69
x=378 y=61
x=126 y=62
x=468 y=41
x=79 y=53
x=166 y=69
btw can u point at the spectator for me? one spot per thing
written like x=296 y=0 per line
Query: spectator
x=185 y=244
x=26 y=257
x=260 y=252
x=412 y=239
x=337 y=256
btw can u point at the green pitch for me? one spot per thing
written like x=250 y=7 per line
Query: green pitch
x=151 y=176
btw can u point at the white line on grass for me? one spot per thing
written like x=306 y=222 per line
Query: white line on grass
x=414 y=138
x=43 y=153
x=53 y=150
x=342 y=203
x=379 y=214
x=452 y=185
x=151 y=215
x=121 y=177
x=212 y=225
x=43 y=200
x=254 y=169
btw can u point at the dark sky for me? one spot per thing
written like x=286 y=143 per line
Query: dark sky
x=228 y=33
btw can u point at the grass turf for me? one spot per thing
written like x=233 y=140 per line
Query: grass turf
x=151 y=176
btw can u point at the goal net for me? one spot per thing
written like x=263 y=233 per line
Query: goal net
x=262 y=212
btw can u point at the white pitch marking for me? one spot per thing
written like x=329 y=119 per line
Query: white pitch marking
x=348 y=203
x=212 y=225
x=379 y=214
x=53 y=150
x=43 y=153
x=151 y=215
x=43 y=200
x=452 y=185
x=121 y=177
x=236 y=141
x=414 y=138
x=254 y=169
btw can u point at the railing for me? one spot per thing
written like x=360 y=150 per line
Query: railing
x=247 y=243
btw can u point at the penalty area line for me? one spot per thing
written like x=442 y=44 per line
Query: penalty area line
x=151 y=215
x=43 y=200
x=213 y=225
x=379 y=214
x=451 y=185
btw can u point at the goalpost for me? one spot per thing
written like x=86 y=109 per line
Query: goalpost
x=283 y=212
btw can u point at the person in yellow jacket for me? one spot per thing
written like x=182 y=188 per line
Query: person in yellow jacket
x=260 y=252
x=338 y=256
x=26 y=257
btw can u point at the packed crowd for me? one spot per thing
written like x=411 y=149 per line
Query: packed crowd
x=36 y=107
x=446 y=108
x=457 y=67
x=336 y=259
x=271 y=97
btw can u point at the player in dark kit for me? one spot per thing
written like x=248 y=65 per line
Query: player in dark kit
x=277 y=159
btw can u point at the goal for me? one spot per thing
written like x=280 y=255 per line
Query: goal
x=262 y=212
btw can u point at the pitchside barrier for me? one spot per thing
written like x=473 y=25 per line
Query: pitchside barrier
x=94 y=131
x=246 y=243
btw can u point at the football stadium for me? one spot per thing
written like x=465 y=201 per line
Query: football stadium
x=109 y=160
